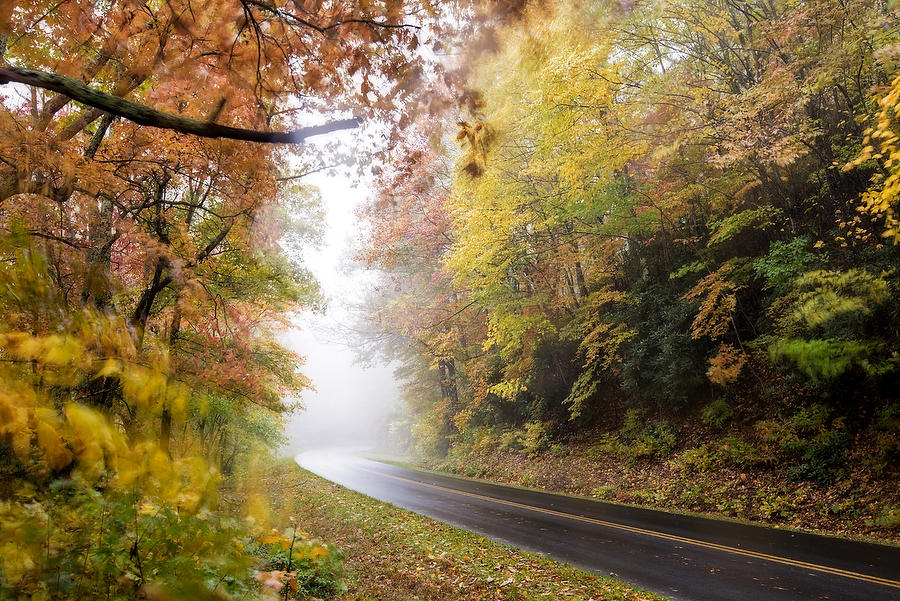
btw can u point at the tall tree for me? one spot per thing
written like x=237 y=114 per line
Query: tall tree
x=644 y=194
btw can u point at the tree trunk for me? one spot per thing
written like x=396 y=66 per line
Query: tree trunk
x=165 y=418
x=449 y=393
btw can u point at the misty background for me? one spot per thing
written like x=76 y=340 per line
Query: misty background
x=351 y=403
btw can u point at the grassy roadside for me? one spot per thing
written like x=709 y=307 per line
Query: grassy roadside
x=395 y=555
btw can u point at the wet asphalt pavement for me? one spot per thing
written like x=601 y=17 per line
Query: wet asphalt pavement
x=681 y=557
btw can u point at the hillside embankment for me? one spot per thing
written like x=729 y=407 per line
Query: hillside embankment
x=806 y=470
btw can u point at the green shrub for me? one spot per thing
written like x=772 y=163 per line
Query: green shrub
x=848 y=507
x=717 y=413
x=809 y=419
x=609 y=445
x=559 y=450
x=634 y=424
x=694 y=495
x=888 y=419
x=738 y=452
x=821 y=458
x=731 y=506
x=697 y=460
x=814 y=445
x=657 y=440
x=762 y=217
x=792 y=434
x=430 y=437
x=603 y=492
x=536 y=439
x=307 y=566
x=482 y=441
x=771 y=504
x=648 y=497
x=474 y=471
x=511 y=440
x=784 y=262
x=660 y=362
x=885 y=436
x=889 y=517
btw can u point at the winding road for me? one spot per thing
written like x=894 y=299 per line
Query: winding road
x=681 y=557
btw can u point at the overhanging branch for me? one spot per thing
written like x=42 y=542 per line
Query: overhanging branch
x=144 y=115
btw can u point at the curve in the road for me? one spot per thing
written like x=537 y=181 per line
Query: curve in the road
x=686 y=558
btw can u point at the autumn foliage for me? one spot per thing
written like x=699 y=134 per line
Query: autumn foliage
x=646 y=208
x=143 y=278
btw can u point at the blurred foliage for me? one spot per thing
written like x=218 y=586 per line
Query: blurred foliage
x=91 y=504
x=648 y=212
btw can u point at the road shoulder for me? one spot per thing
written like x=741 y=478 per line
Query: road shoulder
x=395 y=554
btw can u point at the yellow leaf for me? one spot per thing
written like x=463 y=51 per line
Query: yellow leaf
x=60 y=350
x=111 y=367
x=56 y=453
x=147 y=509
x=272 y=537
x=15 y=561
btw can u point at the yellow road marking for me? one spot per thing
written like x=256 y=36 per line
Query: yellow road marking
x=663 y=535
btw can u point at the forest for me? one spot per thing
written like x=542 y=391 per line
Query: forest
x=151 y=204
x=639 y=234
x=660 y=236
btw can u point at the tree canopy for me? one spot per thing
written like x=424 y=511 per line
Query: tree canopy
x=649 y=206
x=147 y=262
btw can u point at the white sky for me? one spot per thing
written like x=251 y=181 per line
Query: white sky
x=350 y=403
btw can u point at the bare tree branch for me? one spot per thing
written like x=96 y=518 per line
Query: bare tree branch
x=145 y=115
x=325 y=28
x=288 y=178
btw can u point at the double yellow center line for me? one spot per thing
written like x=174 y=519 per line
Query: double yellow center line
x=679 y=539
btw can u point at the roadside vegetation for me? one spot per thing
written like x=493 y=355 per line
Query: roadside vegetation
x=690 y=468
x=655 y=259
x=390 y=554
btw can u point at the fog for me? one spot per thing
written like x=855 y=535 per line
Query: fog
x=350 y=403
